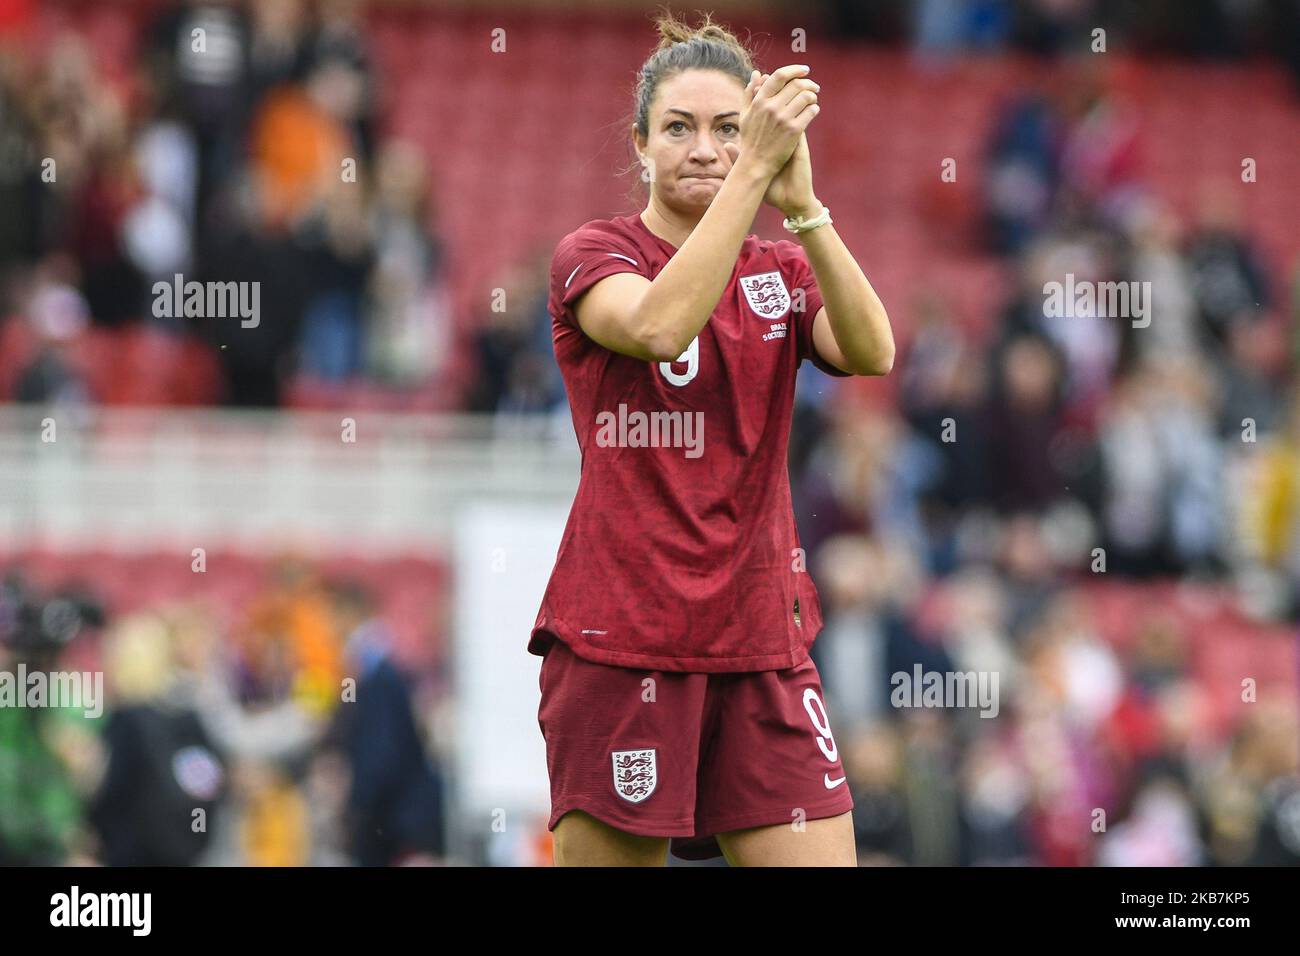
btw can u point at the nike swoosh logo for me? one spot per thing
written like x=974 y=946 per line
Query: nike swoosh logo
x=832 y=784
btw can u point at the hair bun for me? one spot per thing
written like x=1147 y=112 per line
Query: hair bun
x=673 y=31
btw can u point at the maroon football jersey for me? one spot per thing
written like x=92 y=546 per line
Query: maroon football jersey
x=680 y=551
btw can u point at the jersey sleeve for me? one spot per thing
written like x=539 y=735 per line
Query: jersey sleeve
x=582 y=259
x=803 y=291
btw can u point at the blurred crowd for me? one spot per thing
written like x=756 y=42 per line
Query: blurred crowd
x=956 y=527
x=288 y=733
x=959 y=530
x=1223 y=30
x=241 y=146
x=1101 y=751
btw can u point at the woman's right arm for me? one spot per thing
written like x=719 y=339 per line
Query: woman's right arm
x=656 y=321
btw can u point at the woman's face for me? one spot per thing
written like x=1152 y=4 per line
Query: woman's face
x=691 y=116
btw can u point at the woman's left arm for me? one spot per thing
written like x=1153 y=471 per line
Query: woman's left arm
x=851 y=330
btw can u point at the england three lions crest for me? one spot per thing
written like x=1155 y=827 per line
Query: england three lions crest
x=635 y=774
x=767 y=294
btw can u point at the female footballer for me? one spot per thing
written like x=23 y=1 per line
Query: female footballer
x=679 y=705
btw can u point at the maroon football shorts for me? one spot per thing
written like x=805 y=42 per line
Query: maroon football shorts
x=687 y=756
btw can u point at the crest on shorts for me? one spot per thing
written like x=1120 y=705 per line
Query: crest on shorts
x=767 y=294
x=635 y=774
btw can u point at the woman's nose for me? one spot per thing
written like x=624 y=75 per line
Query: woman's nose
x=704 y=147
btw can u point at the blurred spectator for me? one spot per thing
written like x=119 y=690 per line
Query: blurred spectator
x=256 y=361
x=1156 y=258
x=867 y=637
x=298 y=143
x=1023 y=168
x=164 y=776
x=944 y=393
x=22 y=194
x=340 y=37
x=873 y=765
x=1053 y=26
x=1024 y=418
x=1101 y=149
x=275 y=828
x=93 y=183
x=994 y=801
x=278 y=46
x=337 y=244
x=1268 y=517
x=59 y=317
x=929 y=787
x=945 y=26
x=1227 y=277
x=41 y=802
x=198 y=60
x=1163 y=470
x=158 y=229
x=395 y=806
x=1160 y=832
x=517 y=371
x=409 y=328
x=1251 y=379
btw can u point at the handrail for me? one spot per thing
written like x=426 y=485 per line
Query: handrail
x=136 y=478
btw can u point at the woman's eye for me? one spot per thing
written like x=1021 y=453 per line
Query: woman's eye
x=676 y=123
x=731 y=126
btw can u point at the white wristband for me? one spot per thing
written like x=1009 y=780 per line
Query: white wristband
x=800 y=224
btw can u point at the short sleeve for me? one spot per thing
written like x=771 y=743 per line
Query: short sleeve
x=582 y=259
x=803 y=291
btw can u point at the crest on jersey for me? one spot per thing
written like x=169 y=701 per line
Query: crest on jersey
x=767 y=294
x=635 y=774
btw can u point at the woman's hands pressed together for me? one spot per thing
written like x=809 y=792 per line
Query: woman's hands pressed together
x=778 y=109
